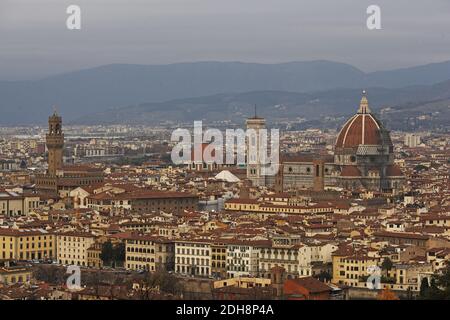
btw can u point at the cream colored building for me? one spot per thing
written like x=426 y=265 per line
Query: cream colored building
x=149 y=253
x=73 y=247
x=297 y=260
x=243 y=258
x=285 y=257
x=310 y=254
x=14 y=204
x=193 y=257
x=94 y=255
x=242 y=283
x=411 y=275
x=268 y=209
x=140 y=253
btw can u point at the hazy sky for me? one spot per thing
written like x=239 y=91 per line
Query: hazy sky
x=34 y=40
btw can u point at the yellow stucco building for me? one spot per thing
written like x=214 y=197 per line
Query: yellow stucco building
x=13 y=275
x=350 y=270
x=16 y=244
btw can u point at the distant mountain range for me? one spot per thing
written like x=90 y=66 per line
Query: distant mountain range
x=276 y=105
x=99 y=94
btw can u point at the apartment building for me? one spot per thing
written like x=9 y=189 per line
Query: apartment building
x=17 y=244
x=14 y=275
x=193 y=257
x=219 y=260
x=275 y=256
x=397 y=238
x=267 y=209
x=149 y=253
x=140 y=253
x=410 y=276
x=73 y=247
x=165 y=254
x=143 y=201
x=350 y=270
x=14 y=204
x=310 y=256
x=93 y=255
x=243 y=258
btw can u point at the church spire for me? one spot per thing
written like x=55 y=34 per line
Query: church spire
x=364 y=104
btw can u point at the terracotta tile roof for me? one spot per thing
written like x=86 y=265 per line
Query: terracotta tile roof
x=393 y=171
x=312 y=285
x=401 y=235
x=350 y=171
x=360 y=129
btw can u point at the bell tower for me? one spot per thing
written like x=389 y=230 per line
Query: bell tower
x=55 y=144
x=254 y=127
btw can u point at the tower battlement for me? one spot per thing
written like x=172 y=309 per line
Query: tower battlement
x=55 y=144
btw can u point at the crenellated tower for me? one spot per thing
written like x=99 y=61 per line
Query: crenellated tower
x=55 y=144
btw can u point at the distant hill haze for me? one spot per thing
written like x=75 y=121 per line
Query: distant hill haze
x=273 y=105
x=104 y=94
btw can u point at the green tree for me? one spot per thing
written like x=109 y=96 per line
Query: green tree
x=439 y=288
x=387 y=265
x=113 y=255
x=119 y=254
x=424 y=288
x=107 y=254
x=442 y=284
x=434 y=293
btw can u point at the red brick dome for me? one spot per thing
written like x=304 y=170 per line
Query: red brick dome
x=362 y=128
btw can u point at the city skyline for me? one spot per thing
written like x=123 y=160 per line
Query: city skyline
x=221 y=188
x=364 y=178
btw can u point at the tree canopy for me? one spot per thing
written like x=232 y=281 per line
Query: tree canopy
x=439 y=286
x=113 y=255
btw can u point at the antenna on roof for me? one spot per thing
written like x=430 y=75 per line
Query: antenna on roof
x=255 y=112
